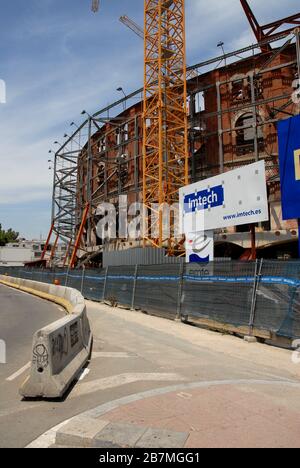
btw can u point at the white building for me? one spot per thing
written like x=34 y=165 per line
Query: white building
x=22 y=251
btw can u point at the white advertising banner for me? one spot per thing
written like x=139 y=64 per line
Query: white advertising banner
x=230 y=199
x=199 y=247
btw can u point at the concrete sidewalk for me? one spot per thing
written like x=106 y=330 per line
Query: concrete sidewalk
x=154 y=383
x=200 y=415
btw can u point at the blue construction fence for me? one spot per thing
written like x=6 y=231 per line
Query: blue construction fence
x=260 y=298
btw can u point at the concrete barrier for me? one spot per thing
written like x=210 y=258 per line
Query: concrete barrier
x=61 y=349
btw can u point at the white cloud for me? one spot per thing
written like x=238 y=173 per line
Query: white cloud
x=39 y=112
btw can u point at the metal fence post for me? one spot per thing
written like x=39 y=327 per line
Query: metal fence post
x=258 y=272
x=134 y=286
x=82 y=278
x=104 y=286
x=179 y=295
x=67 y=274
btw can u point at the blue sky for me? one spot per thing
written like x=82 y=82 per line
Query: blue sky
x=58 y=58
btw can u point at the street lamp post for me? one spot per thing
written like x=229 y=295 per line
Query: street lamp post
x=121 y=90
x=221 y=45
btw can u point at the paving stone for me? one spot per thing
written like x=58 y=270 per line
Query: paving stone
x=80 y=432
x=162 y=438
x=116 y=435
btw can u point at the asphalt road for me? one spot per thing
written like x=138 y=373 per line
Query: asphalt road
x=21 y=315
x=132 y=353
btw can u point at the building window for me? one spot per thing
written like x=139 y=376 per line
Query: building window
x=126 y=132
x=199 y=102
x=122 y=134
x=101 y=173
x=101 y=145
x=238 y=91
x=245 y=134
x=119 y=139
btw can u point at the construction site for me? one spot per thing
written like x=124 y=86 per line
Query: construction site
x=162 y=310
x=187 y=123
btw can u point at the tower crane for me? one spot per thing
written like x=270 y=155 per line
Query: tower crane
x=132 y=25
x=165 y=121
x=124 y=19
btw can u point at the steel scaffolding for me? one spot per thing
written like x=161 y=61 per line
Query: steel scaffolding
x=93 y=165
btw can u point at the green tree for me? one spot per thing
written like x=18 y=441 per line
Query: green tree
x=7 y=236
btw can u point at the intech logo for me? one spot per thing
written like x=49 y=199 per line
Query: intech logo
x=205 y=199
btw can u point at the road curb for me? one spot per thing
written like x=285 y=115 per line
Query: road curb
x=48 y=297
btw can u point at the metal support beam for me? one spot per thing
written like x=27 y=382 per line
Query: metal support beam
x=257 y=30
x=275 y=55
x=270 y=30
x=67 y=253
x=47 y=242
x=89 y=181
x=136 y=156
x=53 y=192
x=255 y=117
x=253 y=242
x=54 y=248
x=79 y=236
x=220 y=128
x=192 y=137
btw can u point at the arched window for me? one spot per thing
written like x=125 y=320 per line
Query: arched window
x=245 y=134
